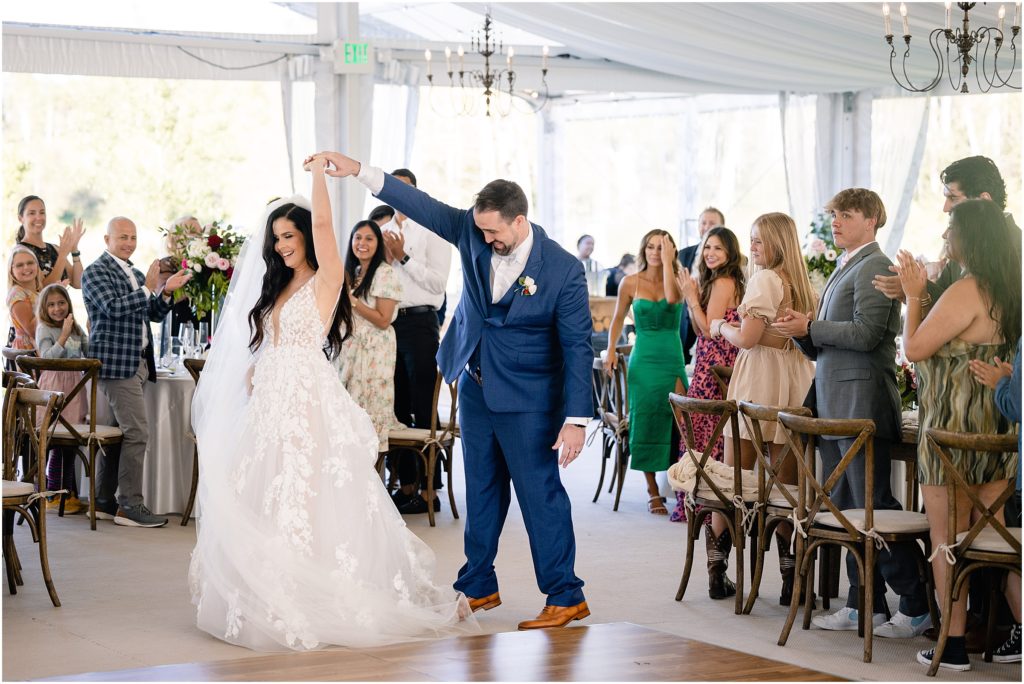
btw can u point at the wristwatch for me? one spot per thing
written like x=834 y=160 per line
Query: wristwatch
x=404 y=260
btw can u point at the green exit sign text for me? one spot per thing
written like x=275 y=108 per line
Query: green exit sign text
x=357 y=53
x=352 y=57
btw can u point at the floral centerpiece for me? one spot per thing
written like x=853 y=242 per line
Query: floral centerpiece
x=211 y=255
x=820 y=252
x=906 y=380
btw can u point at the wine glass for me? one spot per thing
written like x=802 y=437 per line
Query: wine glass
x=204 y=336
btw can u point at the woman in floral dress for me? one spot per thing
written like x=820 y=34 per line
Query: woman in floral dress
x=367 y=359
x=715 y=295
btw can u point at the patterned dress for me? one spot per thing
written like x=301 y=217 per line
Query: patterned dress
x=21 y=338
x=710 y=352
x=951 y=399
x=367 y=359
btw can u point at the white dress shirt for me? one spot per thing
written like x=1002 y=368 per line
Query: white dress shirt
x=424 y=276
x=505 y=270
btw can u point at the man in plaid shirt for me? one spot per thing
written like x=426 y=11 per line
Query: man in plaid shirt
x=120 y=303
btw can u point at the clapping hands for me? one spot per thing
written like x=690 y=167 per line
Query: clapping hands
x=913 y=277
x=687 y=284
x=71 y=236
x=990 y=374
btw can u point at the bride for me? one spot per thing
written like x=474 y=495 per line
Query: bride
x=299 y=546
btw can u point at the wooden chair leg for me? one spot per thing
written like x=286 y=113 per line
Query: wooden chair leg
x=10 y=557
x=800 y=571
x=808 y=605
x=91 y=466
x=621 y=457
x=44 y=561
x=605 y=453
x=431 y=463
x=693 y=525
x=868 y=598
x=739 y=543
x=759 y=548
x=195 y=485
x=947 y=610
x=994 y=590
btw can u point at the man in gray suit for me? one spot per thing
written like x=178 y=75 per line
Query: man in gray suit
x=853 y=340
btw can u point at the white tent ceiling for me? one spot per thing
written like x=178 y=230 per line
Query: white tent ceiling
x=711 y=47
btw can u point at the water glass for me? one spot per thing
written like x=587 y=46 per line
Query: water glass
x=204 y=336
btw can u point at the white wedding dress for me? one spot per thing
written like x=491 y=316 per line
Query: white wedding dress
x=299 y=546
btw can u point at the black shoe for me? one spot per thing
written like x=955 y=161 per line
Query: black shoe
x=418 y=505
x=400 y=498
x=1009 y=652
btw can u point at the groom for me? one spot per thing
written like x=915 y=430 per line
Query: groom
x=520 y=346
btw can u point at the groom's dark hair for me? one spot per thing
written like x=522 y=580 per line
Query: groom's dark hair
x=504 y=197
x=405 y=173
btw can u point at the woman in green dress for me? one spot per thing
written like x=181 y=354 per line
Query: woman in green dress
x=977 y=317
x=656 y=362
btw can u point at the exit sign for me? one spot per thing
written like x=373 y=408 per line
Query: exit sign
x=353 y=57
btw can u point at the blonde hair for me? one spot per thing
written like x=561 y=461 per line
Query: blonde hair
x=781 y=246
x=641 y=257
x=43 y=316
x=21 y=249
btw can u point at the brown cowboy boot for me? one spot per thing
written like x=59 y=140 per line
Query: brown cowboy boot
x=719 y=584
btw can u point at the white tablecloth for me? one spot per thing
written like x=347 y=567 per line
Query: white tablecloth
x=167 y=471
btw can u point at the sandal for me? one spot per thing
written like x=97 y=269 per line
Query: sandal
x=656 y=506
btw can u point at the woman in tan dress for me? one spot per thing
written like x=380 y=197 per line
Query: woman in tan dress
x=769 y=370
x=977 y=317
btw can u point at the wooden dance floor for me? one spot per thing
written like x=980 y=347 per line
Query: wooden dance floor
x=613 y=652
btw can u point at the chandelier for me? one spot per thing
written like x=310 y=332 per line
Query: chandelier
x=956 y=46
x=496 y=83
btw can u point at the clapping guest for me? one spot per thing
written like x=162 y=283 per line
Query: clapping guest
x=656 y=362
x=769 y=369
x=978 y=317
x=690 y=257
x=53 y=259
x=58 y=336
x=367 y=359
x=24 y=280
x=421 y=261
x=1004 y=378
x=121 y=302
x=719 y=292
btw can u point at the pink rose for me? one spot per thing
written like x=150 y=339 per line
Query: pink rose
x=223 y=264
x=818 y=246
x=211 y=260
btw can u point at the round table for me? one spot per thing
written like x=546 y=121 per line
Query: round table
x=167 y=470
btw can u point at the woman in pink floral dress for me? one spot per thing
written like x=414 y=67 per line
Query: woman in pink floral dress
x=715 y=295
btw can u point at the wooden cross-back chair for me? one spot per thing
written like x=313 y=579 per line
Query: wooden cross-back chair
x=87 y=439
x=195 y=369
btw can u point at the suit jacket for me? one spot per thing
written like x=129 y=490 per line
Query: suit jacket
x=536 y=358
x=686 y=332
x=853 y=340
x=116 y=316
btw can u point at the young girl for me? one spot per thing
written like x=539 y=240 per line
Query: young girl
x=24 y=280
x=58 y=336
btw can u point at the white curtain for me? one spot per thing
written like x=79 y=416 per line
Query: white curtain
x=901 y=130
x=798 y=114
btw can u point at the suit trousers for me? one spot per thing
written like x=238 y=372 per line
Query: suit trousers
x=503 y=449
x=128 y=403
x=897 y=567
x=416 y=341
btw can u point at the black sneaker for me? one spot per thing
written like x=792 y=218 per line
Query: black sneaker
x=400 y=498
x=1009 y=652
x=950 y=661
x=418 y=505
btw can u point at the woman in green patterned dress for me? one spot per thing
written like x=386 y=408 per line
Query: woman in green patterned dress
x=656 y=362
x=978 y=317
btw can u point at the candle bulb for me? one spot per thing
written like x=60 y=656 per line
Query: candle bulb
x=426 y=55
x=1002 y=17
x=885 y=16
x=448 y=59
x=906 y=19
x=949 y=15
x=462 y=60
x=1016 y=15
x=544 y=57
x=508 y=60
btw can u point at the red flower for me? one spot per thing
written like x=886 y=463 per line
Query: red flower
x=184 y=263
x=227 y=273
x=214 y=241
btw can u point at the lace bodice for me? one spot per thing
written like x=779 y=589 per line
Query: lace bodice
x=299 y=323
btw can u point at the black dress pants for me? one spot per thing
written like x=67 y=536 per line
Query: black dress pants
x=417 y=337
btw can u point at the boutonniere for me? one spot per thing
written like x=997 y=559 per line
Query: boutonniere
x=527 y=287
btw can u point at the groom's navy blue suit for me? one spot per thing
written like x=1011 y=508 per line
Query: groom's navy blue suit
x=534 y=358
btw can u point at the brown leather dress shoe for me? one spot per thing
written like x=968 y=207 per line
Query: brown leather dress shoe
x=556 y=616
x=485 y=603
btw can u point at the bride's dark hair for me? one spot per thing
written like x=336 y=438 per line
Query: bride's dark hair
x=278 y=275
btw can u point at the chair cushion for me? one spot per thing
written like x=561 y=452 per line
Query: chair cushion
x=887 y=522
x=987 y=540
x=413 y=434
x=13 y=488
x=103 y=432
x=777 y=498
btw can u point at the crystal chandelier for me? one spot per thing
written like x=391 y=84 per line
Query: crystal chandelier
x=956 y=46
x=494 y=80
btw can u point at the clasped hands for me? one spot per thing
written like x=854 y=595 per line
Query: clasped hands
x=793 y=323
x=333 y=164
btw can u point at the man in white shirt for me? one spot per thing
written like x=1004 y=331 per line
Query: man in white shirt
x=422 y=262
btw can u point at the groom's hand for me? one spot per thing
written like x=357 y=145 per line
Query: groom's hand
x=340 y=166
x=570 y=438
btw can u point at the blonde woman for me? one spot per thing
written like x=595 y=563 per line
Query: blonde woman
x=24 y=280
x=769 y=370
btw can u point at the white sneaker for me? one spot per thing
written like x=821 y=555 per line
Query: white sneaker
x=904 y=627
x=844 y=619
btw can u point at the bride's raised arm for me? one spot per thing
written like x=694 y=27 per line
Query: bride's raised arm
x=331 y=270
